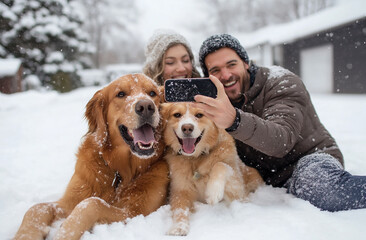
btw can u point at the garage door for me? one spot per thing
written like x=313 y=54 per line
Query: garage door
x=316 y=68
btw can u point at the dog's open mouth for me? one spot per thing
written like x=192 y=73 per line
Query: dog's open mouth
x=141 y=140
x=189 y=144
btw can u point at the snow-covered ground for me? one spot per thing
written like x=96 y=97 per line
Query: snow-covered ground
x=40 y=133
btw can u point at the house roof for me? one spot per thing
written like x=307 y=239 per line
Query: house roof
x=9 y=67
x=321 y=21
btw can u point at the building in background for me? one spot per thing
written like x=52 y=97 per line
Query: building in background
x=327 y=49
x=11 y=75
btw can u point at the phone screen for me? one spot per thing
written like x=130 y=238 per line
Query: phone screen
x=184 y=90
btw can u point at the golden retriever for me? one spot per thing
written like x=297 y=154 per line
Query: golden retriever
x=119 y=171
x=203 y=163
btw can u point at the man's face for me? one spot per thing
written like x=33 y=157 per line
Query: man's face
x=231 y=70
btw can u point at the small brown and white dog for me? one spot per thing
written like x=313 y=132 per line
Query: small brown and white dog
x=203 y=163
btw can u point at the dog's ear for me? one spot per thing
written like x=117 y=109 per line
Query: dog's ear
x=162 y=96
x=164 y=112
x=95 y=114
x=164 y=109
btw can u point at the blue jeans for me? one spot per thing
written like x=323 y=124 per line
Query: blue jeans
x=320 y=179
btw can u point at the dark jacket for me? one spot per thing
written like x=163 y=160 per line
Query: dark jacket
x=279 y=125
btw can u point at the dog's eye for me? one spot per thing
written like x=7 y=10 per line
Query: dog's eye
x=177 y=115
x=199 y=115
x=152 y=94
x=121 y=94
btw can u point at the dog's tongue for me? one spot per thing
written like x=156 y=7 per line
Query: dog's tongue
x=144 y=134
x=188 y=145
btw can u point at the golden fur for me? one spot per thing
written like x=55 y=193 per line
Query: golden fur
x=95 y=193
x=208 y=170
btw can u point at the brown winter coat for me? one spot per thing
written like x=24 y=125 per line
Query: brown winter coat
x=279 y=125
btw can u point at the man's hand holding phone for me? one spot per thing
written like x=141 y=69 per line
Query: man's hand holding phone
x=219 y=109
x=207 y=94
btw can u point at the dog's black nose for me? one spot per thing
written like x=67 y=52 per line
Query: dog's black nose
x=145 y=108
x=187 y=128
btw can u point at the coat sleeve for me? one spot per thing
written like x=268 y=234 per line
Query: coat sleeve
x=277 y=129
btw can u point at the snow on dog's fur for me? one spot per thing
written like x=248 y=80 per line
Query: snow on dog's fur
x=203 y=163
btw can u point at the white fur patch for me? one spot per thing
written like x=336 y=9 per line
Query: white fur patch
x=215 y=191
x=216 y=187
x=188 y=118
x=180 y=228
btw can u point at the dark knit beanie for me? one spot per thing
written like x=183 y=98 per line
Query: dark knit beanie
x=216 y=42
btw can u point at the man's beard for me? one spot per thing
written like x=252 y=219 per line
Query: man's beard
x=237 y=96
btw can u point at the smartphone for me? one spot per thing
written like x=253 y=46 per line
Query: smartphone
x=184 y=89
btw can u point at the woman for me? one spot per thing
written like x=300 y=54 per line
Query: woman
x=169 y=55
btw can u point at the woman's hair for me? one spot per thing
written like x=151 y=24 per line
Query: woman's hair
x=155 y=51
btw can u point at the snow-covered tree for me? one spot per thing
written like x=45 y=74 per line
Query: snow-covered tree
x=112 y=28
x=47 y=36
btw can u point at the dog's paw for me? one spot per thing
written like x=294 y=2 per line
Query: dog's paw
x=215 y=192
x=179 y=229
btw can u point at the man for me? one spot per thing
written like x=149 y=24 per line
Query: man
x=269 y=113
